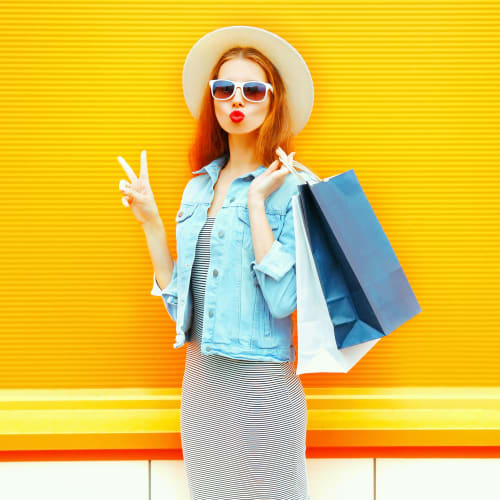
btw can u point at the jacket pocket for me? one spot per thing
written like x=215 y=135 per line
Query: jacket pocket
x=263 y=335
x=184 y=212
x=183 y=229
x=183 y=217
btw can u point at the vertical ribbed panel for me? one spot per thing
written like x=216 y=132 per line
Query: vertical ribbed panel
x=406 y=93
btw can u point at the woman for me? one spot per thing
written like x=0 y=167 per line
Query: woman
x=243 y=409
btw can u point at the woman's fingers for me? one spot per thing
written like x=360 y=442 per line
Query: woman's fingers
x=144 y=167
x=127 y=168
x=124 y=186
x=285 y=168
x=276 y=167
x=273 y=166
x=128 y=191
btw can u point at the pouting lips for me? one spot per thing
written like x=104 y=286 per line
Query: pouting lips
x=237 y=115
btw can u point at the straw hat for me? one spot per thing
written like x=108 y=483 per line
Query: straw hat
x=205 y=53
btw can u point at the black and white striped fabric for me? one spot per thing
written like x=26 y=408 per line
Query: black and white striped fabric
x=243 y=423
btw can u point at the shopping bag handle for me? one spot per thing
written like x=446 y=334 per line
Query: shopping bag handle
x=292 y=165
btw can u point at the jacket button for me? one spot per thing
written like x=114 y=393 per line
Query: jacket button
x=180 y=213
x=232 y=199
x=215 y=273
x=210 y=314
x=221 y=234
x=208 y=348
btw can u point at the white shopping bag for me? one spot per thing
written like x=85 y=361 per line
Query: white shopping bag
x=317 y=349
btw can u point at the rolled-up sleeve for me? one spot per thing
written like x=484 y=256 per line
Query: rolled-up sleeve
x=168 y=294
x=275 y=272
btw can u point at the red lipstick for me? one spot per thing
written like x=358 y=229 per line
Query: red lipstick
x=237 y=116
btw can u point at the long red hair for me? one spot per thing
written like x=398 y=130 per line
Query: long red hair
x=211 y=141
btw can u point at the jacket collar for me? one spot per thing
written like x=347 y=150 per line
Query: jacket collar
x=214 y=167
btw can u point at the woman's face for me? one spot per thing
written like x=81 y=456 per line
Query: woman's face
x=241 y=70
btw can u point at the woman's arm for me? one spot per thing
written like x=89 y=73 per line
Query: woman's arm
x=274 y=263
x=163 y=264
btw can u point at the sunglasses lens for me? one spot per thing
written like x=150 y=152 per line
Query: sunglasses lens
x=223 y=89
x=254 y=91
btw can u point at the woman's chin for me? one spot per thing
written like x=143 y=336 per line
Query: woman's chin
x=240 y=128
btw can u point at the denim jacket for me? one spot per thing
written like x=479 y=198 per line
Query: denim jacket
x=247 y=305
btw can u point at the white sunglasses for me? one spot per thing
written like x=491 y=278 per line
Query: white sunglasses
x=252 y=91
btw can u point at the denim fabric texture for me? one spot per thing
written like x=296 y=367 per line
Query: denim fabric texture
x=247 y=304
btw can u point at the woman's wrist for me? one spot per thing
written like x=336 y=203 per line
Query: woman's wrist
x=153 y=224
x=255 y=200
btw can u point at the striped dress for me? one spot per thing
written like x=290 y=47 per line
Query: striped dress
x=243 y=423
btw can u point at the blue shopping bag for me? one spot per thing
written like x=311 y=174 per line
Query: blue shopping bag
x=365 y=288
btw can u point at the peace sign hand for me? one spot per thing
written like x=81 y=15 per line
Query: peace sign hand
x=138 y=194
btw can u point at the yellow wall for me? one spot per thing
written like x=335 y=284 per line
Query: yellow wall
x=406 y=93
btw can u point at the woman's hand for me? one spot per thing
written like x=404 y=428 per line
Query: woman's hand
x=137 y=193
x=267 y=182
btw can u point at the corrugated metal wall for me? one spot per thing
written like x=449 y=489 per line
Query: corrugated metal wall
x=406 y=93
